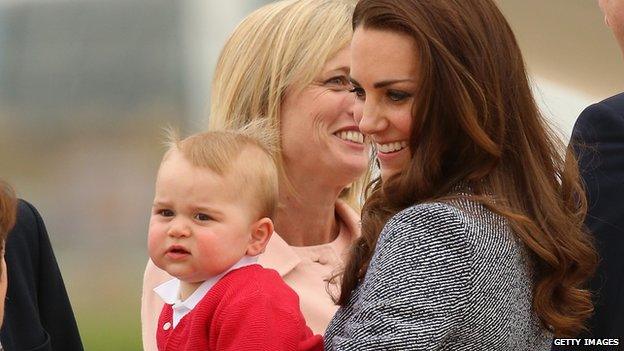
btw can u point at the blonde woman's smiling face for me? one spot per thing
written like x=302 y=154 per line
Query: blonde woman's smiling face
x=384 y=71
x=319 y=133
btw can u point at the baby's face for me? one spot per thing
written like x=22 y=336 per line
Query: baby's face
x=199 y=226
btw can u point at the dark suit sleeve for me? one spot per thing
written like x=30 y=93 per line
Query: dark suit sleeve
x=598 y=139
x=38 y=315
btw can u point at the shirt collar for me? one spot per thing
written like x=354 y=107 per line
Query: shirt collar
x=279 y=256
x=169 y=291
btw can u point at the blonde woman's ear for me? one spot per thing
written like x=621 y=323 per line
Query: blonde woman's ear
x=261 y=232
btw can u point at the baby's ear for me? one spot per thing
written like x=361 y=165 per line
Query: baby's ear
x=261 y=232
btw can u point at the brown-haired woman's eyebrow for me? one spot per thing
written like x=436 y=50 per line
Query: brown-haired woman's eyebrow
x=383 y=83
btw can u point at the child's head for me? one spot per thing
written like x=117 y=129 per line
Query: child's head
x=215 y=195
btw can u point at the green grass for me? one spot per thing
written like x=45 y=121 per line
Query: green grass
x=113 y=327
x=106 y=299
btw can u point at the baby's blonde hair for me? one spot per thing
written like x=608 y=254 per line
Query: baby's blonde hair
x=244 y=156
x=281 y=45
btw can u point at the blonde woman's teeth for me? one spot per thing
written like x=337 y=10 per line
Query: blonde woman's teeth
x=351 y=135
x=392 y=147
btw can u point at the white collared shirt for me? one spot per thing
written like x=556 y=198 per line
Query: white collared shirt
x=169 y=291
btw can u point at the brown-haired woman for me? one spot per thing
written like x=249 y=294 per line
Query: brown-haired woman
x=472 y=236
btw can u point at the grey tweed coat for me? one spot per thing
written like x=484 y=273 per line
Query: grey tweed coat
x=444 y=276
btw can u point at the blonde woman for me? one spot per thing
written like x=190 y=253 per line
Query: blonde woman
x=289 y=62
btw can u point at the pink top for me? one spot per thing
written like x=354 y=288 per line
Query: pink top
x=305 y=269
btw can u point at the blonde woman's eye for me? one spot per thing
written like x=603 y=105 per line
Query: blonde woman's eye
x=337 y=80
x=359 y=93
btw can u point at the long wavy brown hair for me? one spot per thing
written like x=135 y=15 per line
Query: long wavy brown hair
x=475 y=122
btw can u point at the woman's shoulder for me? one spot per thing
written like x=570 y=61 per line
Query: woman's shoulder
x=421 y=233
x=462 y=231
x=432 y=212
x=427 y=218
x=28 y=233
x=460 y=221
x=461 y=209
x=28 y=218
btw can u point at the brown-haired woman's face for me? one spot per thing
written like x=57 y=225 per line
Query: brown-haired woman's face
x=384 y=71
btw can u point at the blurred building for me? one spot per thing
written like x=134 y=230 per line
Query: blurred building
x=572 y=57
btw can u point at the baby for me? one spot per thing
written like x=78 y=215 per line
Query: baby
x=215 y=195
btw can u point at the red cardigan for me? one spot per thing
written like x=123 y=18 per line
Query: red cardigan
x=250 y=308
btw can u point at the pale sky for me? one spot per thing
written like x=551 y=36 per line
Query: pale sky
x=560 y=104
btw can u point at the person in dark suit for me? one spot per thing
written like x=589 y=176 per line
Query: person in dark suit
x=598 y=141
x=38 y=315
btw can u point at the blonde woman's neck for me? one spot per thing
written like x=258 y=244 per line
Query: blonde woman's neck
x=307 y=219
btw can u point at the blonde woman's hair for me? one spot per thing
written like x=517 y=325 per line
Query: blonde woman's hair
x=244 y=157
x=281 y=45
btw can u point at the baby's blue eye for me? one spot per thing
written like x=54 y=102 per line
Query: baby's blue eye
x=202 y=217
x=165 y=213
